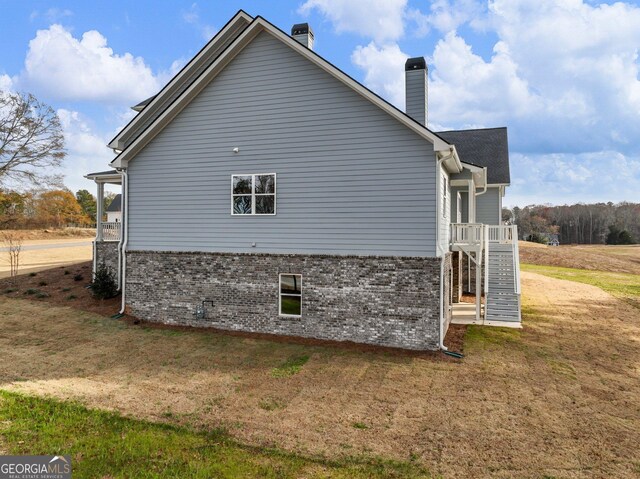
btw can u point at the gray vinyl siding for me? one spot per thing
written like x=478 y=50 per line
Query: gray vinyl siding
x=464 y=209
x=152 y=112
x=488 y=207
x=350 y=178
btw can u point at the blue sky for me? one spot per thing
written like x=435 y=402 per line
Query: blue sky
x=562 y=75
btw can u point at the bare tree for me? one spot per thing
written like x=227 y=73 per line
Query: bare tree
x=31 y=141
x=13 y=243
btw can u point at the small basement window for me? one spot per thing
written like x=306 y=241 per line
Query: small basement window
x=253 y=194
x=290 y=294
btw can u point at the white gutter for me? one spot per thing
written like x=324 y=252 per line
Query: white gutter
x=484 y=170
x=125 y=236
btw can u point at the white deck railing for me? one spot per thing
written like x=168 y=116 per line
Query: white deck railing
x=111 y=231
x=467 y=233
x=502 y=233
x=481 y=236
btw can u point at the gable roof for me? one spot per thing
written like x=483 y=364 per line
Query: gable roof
x=152 y=107
x=258 y=25
x=488 y=147
x=115 y=205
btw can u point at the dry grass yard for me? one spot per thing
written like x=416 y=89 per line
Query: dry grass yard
x=558 y=399
x=622 y=259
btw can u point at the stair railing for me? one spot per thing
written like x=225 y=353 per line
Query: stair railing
x=516 y=260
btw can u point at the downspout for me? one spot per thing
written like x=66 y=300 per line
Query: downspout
x=439 y=249
x=485 y=183
x=125 y=234
x=121 y=242
x=441 y=338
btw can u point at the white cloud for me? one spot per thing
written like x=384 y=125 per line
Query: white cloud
x=582 y=60
x=192 y=16
x=464 y=89
x=447 y=15
x=563 y=177
x=86 y=150
x=381 y=66
x=381 y=20
x=65 y=68
x=6 y=83
x=51 y=15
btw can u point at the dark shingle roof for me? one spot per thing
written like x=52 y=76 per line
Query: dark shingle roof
x=100 y=173
x=116 y=204
x=486 y=147
x=140 y=106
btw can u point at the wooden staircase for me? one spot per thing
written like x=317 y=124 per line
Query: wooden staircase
x=495 y=253
x=502 y=291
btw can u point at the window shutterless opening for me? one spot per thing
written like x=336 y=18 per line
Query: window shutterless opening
x=253 y=194
x=290 y=295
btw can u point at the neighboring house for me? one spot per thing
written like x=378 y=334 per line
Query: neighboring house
x=265 y=190
x=114 y=210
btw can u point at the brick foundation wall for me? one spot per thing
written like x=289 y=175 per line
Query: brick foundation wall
x=456 y=266
x=387 y=301
x=107 y=253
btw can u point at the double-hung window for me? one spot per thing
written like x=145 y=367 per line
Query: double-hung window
x=253 y=194
x=290 y=294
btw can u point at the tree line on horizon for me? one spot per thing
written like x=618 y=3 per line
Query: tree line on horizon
x=49 y=208
x=580 y=223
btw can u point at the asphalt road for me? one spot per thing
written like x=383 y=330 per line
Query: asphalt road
x=48 y=246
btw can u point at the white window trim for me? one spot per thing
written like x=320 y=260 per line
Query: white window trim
x=280 y=294
x=253 y=194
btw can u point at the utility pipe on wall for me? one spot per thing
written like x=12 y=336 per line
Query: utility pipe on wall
x=125 y=235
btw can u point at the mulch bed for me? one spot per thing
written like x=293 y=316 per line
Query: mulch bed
x=67 y=286
x=62 y=286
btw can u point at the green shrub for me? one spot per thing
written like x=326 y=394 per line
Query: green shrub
x=78 y=277
x=42 y=283
x=42 y=295
x=32 y=274
x=619 y=236
x=104 y=284
x=32 y=291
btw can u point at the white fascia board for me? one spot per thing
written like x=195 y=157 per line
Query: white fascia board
x=258 y=25
x=177 y=80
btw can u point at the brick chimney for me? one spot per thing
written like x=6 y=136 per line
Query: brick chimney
x=415 y=70
x=302 y=33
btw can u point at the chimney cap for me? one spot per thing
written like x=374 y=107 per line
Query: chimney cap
x=301 y=29
x=417 y=63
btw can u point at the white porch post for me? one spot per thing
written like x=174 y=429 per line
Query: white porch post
x=99 y=211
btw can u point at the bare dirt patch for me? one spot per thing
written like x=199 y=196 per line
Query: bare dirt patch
x=560 y=398
x=622 y=259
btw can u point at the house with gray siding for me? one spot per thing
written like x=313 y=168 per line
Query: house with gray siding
x=264 y=190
